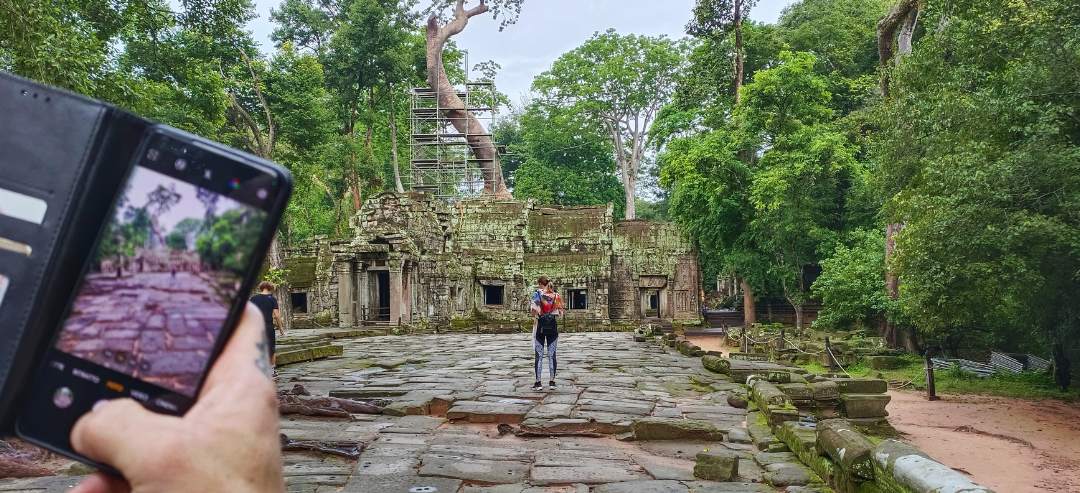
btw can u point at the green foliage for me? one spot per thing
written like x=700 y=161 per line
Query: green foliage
x=1026 y=385
x=224 y=244
x=980 y=156
x=565 y=159
x=178 y=237
x=842 y=34
x=851 y=285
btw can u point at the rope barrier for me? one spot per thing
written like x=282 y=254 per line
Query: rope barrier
x=833 y=356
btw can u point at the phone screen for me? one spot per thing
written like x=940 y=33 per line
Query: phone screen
x=167 y=279
x=169 y=266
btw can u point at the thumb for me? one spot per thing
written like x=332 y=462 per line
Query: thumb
x=106 y=433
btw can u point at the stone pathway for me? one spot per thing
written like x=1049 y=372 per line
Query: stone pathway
x=162 y=331
x=450 y=393
x=453 y=391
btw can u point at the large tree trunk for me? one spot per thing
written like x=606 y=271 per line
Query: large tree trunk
x=393 y=146
x=479 y=139
x=738 y=49
x=630 y=187
x=901 y=18
x=749 y=311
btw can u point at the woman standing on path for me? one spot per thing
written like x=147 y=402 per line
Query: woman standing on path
x=546 y=305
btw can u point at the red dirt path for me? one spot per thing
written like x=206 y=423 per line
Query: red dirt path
x=1009 y=445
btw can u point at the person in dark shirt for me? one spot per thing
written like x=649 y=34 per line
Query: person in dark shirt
x=271 y=314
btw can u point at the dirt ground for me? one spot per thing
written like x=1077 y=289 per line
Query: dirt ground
x=711 y=343
x=1008 y=445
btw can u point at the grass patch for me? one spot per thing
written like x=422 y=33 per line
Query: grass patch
x=1027 y=385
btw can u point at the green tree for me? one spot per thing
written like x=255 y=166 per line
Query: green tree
x=619 y=83
x=716 y=19
x=797 y=191
x=849 y=286
x=226 y=242
x=178 y=237
x=842 y=35
x=978 y=149
x=565 y=159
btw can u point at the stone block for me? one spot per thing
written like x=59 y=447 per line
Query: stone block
x=848 y=448
x=862 y=386
x=911 y=469
x=765 y=393
x=716 y=364
x=825 y=390
x=864 y=405
x=788 y=474
x=675 y=429
x=488 y=412
x=797 y=391
x=884 y=362
x=717 y=465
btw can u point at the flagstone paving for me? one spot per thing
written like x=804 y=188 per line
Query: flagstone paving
x=455 y=389
x=450 y=393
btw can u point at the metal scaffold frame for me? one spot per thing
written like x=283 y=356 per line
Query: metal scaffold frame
x=442 y=163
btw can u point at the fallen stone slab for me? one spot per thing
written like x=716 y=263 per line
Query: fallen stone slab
x=847 y=447
x=766 y=393
x=865 y=405
x=675 y=429
x=585 y=474
x=716 y=364
x=862 y=386
x=884 y=362
x=797 y=391
x=330 y=407
x=899 y=464
x=665 y=467
x=476 y=470
x=289 y=357
x=716 y=464
x=368 y=392
x=788 y=474
x=646 y=486
x=738 y=435
x=488 y=412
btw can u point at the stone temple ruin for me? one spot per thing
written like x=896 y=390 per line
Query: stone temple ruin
x=421 y=262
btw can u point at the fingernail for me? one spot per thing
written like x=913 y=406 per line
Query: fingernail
x=98 y=404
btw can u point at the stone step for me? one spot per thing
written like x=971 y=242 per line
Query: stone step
x=308 y=354
x=488 y=412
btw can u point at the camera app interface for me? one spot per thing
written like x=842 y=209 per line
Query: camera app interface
x=167 y=270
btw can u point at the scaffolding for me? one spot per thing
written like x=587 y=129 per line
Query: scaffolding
x=442 y=163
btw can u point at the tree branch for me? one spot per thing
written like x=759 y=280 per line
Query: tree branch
x=256 y=82
x=886 y=30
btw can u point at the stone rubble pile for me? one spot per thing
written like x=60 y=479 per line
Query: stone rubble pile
x=811 y=425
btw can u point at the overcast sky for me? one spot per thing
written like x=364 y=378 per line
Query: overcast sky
x=549 y=28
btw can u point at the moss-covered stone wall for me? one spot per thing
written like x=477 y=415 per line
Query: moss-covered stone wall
x=441 y=258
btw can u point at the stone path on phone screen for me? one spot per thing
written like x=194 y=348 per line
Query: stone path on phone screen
x=448 y=394
x=152 y=325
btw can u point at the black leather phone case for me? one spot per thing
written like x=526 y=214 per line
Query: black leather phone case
x=74 y=153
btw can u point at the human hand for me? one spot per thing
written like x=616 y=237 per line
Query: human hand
x=228 y=441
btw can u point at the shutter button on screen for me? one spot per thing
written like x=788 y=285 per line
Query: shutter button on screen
x=63 y=397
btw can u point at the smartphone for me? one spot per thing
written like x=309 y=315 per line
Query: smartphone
x=168 y=279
